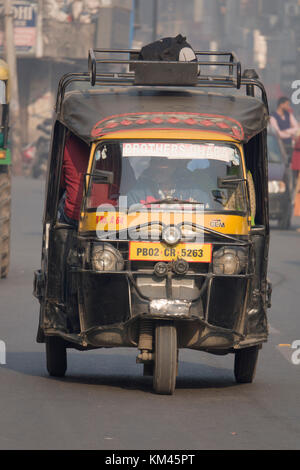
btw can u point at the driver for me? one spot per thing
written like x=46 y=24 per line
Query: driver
x=166 y=179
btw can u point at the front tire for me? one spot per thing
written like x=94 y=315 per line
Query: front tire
x=165 y=364
x=56 y=356
x=245 y=364
x=5 y=214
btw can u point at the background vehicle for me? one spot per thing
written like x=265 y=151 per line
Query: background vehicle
x=41 y=151
x=280 y=182
x=97 y=286
x=5 y=171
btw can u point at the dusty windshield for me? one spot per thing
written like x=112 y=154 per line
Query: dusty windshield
x=152 y=173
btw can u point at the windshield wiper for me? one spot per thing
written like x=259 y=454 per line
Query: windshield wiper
x=172 y=201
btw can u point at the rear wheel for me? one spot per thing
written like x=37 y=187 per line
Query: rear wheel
x=245 y=364
x=165 y=364
x=56 y=356
x=5 y=210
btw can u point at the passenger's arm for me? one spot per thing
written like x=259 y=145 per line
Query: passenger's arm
x=287 y=133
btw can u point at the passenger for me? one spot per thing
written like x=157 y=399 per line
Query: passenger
x=285 y=124
x=295 y=165
x=74 y=167
x=166 y=179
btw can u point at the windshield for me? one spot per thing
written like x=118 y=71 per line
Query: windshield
x=159 y=173
x=274 y=152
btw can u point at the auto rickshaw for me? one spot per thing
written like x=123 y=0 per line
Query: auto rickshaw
x=172 y=245
x=5 y=170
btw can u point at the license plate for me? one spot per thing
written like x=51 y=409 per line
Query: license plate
x=156 y=251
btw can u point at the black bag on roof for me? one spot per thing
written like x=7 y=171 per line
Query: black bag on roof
x=169 y=49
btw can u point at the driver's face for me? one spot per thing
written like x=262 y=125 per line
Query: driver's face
x=163 y=169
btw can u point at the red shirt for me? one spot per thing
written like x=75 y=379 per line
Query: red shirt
x=76 y=157
x=296 y=156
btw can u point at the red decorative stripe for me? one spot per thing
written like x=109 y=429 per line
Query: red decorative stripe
x=173 y=120
x=222 y=125
x=157 y=120
x=111 y=125
x=207 y=123
x=141 y=121
x=97 y=132
x=229 y=125
x=190 y=121
x=236 y=133
x=126 y=122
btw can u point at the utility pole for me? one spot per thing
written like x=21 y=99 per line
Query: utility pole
x=39 y=42
x=15 y=134
x=154 y=19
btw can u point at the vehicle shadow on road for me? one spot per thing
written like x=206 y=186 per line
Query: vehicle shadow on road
x=117 y=370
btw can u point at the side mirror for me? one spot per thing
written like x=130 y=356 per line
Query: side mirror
x=104 y=177
x=99 y=177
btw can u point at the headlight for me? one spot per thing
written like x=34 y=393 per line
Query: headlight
x=106 y=258
x=276 y=186
x=229 y=260
x=171 y=235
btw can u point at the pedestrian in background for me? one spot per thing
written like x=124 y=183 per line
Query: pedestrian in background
x=295 y=164
x=285 y=124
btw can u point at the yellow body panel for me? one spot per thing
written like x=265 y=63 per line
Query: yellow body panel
x=177 y=134
x=4 y=75
x=109 y=221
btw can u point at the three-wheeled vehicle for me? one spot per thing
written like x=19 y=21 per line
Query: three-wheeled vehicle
x=172 y=245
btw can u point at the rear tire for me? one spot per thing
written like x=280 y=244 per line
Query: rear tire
x=165 y=365
x=5 y=215
x=56 y=356
x=245 y=364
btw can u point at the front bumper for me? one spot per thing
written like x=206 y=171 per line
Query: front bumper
x=213 y=317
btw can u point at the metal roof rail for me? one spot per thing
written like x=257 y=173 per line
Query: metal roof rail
x=231 y=63
x=166 y=73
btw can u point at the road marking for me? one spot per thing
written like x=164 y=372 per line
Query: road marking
x=273 y=330
x=286 y=350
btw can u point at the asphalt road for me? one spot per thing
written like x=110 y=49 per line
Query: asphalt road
x=104 y=402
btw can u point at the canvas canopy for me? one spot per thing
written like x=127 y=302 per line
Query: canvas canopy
x=96 y=113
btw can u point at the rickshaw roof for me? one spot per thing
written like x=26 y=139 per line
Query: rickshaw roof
x=96 y=113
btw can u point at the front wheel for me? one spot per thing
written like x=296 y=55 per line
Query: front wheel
x=5 y=213
x=245 y=364
x=56 y=356
x=165 y=363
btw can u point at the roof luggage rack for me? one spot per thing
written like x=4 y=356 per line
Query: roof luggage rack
x=164 y=73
